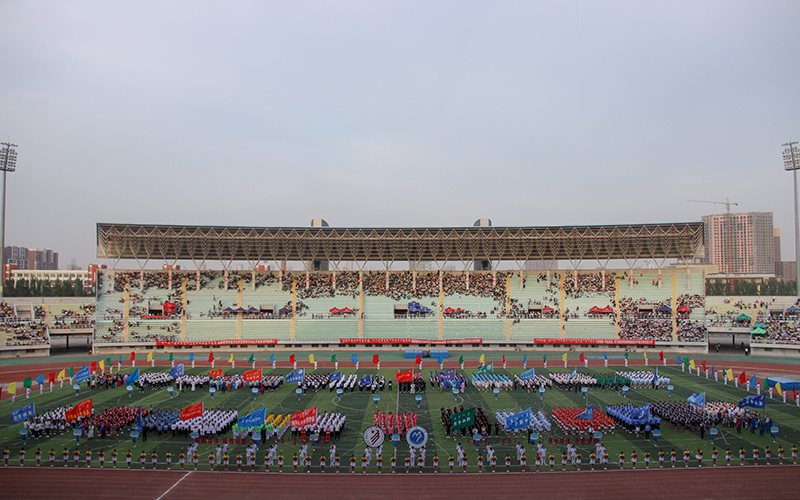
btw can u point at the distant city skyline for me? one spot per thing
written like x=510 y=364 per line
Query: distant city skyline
x=393 y=114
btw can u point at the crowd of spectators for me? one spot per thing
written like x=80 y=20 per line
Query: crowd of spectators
x=590 y=284
x=7 y=312
x=645 y=329
x=24 y=334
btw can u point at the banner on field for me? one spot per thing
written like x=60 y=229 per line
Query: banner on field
x=82 y=375
x=404 y=376
x=304 y=418
x=409 y=341
x=192 y=411
x=24 y=413
x=80 y=410
x=528 y=374
x=217 y=343
x=335 y=377
x=176 y=371
x=520 y=420
x=253 y=419
x=587 y=414
x=753 y=401
x=217 y=373
x=552 y=341
x=463 y=419
x=296 y=376
x=252 y=375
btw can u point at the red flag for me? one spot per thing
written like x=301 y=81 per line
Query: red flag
x=418 y=359
x=291 y=358
x=94 y=366
x=304 y=418
x=133 y=356
x=210 y=357
x=375 y=359
x=215 y=373
x=404 y=376
x=703 y=365
x=51 y=377
x=252 y=375
x=661 y=356
x=82 y=409
x=504 y=359
x=582 y=358
x=743 y=377
x=192 y=411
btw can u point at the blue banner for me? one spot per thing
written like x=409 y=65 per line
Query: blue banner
x=176 y=371
x=82 y=375
x=253 y=419
x=335 y=377
x=528 y=374
x=296 y=376
x=40 y=379
x=698 y=400
x=752 y=384
x=24 y=413
x=354 y=358
x=753 y=401
x=587 y=413
x=133 y=377
x=521 y=420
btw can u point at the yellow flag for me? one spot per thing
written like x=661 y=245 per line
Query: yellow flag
x=61 y=375
x=482 y=359
x=12 y=388
x=778 y=389
x=645 y=354
x=691 y=364
x=230 y=359
x=149 y=356
x=102 y=364
x=311 y=358
x=564 y=357
x=729 y=374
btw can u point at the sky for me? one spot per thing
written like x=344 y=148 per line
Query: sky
x=404 y=113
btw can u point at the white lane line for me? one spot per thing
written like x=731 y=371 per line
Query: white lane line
x=174 y=485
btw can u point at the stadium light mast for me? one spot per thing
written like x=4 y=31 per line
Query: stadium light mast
x=791 y=161
x=8 y=163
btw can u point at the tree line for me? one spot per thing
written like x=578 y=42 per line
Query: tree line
x=768 y=287
x=46 y=288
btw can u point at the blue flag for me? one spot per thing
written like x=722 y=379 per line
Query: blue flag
x=24 y=413
x=753 y=401
x=587 y=413
x=253 y=419
x=133 y=377
x=521 y=420
x=139 y=421
x=191 y=357
x=40 y=379
x=335 y=377
x=752 y=384
x=296 y=376
x=82 y=375
x=176 y=371
x=528 y=374
x=524 y=359
x=272 y=359
x=354 y=358
x=605 y=356
x=656 y=373
x=573 y=374
x=698 y=400
x=120 y=358
x=679 y=360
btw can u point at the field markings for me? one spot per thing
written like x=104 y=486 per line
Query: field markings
x=174 y=485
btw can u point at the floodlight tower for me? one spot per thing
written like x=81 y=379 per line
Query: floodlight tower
x=791 y=161
x=8 y=163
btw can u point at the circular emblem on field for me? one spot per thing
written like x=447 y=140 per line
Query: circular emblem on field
x=374 y=436
x=417 y=437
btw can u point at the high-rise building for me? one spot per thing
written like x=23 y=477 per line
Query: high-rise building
x=740 y=243
x=42 y=259
x=17 y=256
x=776 y=238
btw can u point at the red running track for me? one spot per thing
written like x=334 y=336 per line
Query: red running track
x=720 y=482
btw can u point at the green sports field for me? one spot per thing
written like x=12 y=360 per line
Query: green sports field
x=359 y=408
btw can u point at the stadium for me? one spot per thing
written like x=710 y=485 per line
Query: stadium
x=318 y=336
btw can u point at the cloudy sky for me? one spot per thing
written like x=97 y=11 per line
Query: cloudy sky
x=393 y=113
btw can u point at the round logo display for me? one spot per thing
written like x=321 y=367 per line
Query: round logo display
x=417 y=437
x=374 y=436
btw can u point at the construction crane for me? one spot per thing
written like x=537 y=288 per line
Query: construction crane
x=729 y=233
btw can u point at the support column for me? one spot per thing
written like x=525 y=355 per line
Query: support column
x=508 y=306
x=674 y=306
x=239 y=304
x=561 y=299
x=184 y=312
x=293 y=322
x=126 y=302
x=617 y=307
x=440 y=306
x=360 y=305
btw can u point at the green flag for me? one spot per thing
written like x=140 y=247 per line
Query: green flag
x=463 y=419
x=69 y=370
x=171 y=357
x=686 y=361
x=27 y=383
x=108 y=362
x=626 y=354
x=461 y=360
x=487 y=368
x=545 y=357
x=251 y=359
x=333 y=359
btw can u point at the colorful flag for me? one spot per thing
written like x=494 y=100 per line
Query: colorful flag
x=753 y=382
x=333 y=359
x=564 y=357
x=354 y=358
x=698 y=400
x=487 y=368
x=12 y=388
x=463 y=419
x=528 y=374
x=255 y=418
x=304 y=418
x=22 y=414
x=520 y=420
x=93 y=366
x=192 y=411
x=461 y=360
x=62 y=375
x=230 y=358
x=291 y=359
x=375 y=359
x=133 y=356
x=191 y=357
x=524 y=359
x=778 y=389
x=754 y=401
x=644 y=353
x=296 y=376
x=108 y=362
x=691 y=364
x=217 y=373
x=582 y=358
x=251 y=359
x=133 y=377
x=729 y=374
x=80 y=410
x=418 y=359
x=51 y=377
x=102 y=365
x=503 y=359
x=272 y=359
x=743 y=377
x=252 y=375
x=210 y=357
x=40 y=379
x=587 y=414
x=70 y=371
x=149 y=357
x=404 y=376
x=27 y=383
x=311 y=358
x=82 y=375
x=661 y=356
x=482 y=359
x=176 y=371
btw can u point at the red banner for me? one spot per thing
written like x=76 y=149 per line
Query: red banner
x=192 y=411
x=356 y=341
x=217 y=343
x=215 y=373
x=304 y=418
x=468 y=340
x=133 y=356
x=252 y=375
x=404 y=376
x=409 y=341
x=80 y=410
x=593 y=342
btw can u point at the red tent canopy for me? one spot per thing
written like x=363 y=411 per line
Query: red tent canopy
x=548 y=309
x=684 y=309
x=449 y=310
x=346 y=310
x=169 y=307
x=604 y=310
x=594 y=309
x=334 y=310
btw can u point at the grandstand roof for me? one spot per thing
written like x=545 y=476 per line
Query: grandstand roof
x=384 y=244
